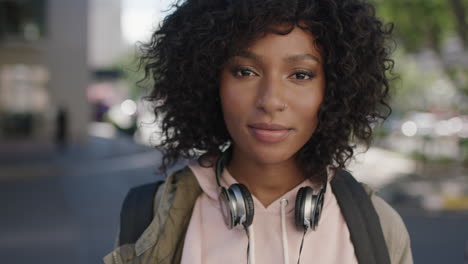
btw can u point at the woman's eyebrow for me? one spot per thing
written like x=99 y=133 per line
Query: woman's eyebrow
x=301 y=57
x=291 y=58
x=247 y=54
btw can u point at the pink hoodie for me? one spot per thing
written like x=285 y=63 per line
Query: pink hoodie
x=275 y=239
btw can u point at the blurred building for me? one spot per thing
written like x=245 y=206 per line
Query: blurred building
x=49 y=50
x=105 y=33
x=43 y=60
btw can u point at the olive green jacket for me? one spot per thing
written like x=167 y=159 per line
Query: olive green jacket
x=163 y=240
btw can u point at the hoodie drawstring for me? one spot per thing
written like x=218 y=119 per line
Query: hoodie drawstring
x=284 y=202
x=251 y=245
x=251 y=237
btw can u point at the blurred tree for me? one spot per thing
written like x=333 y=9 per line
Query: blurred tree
x=459 y=10
x=418 y=23
x=428 y=24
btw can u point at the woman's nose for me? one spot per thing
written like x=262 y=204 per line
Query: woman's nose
x=270 y=97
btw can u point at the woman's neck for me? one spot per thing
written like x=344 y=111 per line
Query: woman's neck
x=267 y=182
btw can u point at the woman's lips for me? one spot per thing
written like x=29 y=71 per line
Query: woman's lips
x=269 y=133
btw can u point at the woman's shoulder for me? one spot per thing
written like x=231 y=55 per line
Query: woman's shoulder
x=394 y=229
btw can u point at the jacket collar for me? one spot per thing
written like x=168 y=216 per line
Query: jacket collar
x=176 y=202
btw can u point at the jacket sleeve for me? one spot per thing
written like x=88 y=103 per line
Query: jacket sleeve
x=395 y=232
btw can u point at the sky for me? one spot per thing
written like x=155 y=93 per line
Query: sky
x=140 y=18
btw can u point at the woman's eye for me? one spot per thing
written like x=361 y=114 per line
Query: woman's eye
x=243 y=72
x=303 y=75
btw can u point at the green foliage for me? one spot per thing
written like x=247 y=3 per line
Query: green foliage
x=418 y=23
x=419 y=156
x=421 y=25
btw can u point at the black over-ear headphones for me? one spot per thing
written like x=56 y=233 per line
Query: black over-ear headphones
x=237 y=204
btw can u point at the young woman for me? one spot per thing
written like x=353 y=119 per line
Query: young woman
x=267 y=98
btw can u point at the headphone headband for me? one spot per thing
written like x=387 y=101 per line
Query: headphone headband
x=221 y=163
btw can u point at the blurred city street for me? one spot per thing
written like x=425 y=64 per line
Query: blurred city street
x=67 y=210
x=75 y=131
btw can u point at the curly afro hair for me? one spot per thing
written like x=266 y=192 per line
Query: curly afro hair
x=186 y=53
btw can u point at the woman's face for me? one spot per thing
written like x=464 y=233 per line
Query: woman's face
x=270 y=95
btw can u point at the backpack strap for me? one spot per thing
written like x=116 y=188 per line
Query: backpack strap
x=137 y=212
x=361 y=218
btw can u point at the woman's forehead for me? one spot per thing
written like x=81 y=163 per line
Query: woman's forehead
x=296 y=44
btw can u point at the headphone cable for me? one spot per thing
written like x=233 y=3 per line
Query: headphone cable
x=300 y=249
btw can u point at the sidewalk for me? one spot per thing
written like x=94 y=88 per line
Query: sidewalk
x=13 y=152
x=23 y=161
x=409 y=184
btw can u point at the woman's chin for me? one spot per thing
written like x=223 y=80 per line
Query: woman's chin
x=270 y=156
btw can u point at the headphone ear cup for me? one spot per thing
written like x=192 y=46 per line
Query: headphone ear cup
x=299 y=209
x=249 y=205
x=318 y=206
